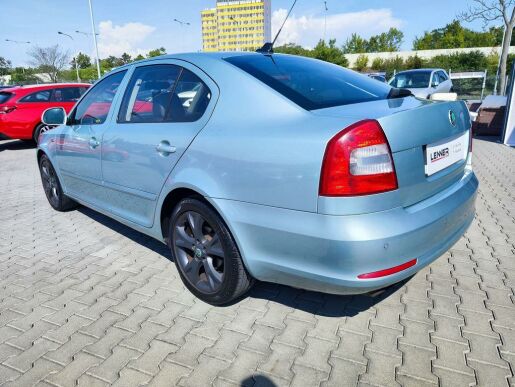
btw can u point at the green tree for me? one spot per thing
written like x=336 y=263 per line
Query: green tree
x=377 y=64
x=139 y=57
x=22 y=75
x=5 y=66
x=125 y=58
x=454 y=35
x=386 y=41
x=83 y=61
x=361 y=62
x=414 y=62
x=330 y=53
x=112 y=62
x=292 y=49
x=355 y=45
x=156 y=52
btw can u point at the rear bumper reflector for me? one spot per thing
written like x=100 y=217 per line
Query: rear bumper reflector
x=390 y=271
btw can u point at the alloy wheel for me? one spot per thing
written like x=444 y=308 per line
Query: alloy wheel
x=199 y=252
x=50 y=182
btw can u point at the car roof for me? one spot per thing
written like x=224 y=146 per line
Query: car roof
x=426 y=70
x=23 y=89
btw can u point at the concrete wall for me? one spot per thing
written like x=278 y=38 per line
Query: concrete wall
x=424 y=54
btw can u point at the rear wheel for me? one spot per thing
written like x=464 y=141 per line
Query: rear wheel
x=205 y=254
x=53 y=191
x=41 y=128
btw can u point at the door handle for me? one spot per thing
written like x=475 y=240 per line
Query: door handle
x=93 y=142
x=165 y=148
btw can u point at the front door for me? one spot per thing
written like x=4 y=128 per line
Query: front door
x=78 y=149
x=164 y=106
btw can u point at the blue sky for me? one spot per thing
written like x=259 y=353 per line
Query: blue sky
x=138 y=26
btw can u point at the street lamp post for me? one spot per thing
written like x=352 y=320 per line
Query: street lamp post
x=16 y=41
x=325 y=20
x=182 y=23
x=94 y=35
x=76 y=55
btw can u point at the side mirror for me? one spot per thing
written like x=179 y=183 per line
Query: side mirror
x=54 y=116
x=435 y=84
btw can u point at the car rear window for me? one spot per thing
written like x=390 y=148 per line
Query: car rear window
x=4 y=97
x=311 y=84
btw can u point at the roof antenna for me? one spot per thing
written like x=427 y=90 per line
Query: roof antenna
x=268 y=48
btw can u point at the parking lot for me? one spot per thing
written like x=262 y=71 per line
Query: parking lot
x=84 y=299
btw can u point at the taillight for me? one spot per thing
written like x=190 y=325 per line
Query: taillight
x=358 y=161
x=7 y=109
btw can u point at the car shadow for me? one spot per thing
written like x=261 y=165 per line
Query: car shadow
x=320 y=304
x=16 y=145
x=496 y=139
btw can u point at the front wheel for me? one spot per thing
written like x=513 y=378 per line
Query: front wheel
x=53 y=190
x=205 y=254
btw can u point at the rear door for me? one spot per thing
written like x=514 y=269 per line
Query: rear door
x=163 y=108
x=28 y=112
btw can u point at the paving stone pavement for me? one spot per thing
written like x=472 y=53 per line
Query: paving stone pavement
x=85 y=300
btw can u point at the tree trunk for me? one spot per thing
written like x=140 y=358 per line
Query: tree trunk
x=504 y=58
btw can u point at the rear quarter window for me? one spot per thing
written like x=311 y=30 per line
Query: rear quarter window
x=310 y=83
x=4 y=97
x=38 y=96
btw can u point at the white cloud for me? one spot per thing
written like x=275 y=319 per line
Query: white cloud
x=308 y=30
x=117 y=39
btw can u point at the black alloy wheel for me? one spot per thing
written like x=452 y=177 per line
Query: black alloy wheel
x=205 y=254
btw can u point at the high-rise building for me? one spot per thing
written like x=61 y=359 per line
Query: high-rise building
x=237 y=25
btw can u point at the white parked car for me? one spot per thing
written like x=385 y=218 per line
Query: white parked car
x=423 y=82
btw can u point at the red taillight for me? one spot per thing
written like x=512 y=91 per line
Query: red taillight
x=390 y=271
x=358 y=161
x=7 y=109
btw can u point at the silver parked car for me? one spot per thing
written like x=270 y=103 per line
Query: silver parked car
x=265 y=166
x=423 y=82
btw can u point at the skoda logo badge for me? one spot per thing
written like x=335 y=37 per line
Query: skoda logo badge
x=452 y=118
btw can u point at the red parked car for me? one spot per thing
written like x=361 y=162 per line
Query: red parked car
x=21 y=107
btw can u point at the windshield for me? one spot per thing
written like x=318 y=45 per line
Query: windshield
x=411 y=80
x=310 y=83
x=4 y=97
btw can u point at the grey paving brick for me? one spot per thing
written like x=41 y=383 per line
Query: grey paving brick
x=107 y=303
x=150 y=360
x=110 y=368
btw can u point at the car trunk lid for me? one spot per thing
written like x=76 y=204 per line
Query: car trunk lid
x=413 y=128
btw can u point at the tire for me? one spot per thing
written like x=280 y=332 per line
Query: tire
x=40 y=128
x=52 y=187
x=205 y=254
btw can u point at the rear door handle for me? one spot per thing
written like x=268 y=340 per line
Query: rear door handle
x=93 y=142
x=165 y=148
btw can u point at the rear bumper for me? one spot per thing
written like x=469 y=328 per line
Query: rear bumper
x=327 y=253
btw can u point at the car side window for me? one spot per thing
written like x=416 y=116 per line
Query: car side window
x=191 y=98
x=149 y=94
x=435 y=80
x=443 y=76
x=68 y=94
x=94 y=107
x=39 y=96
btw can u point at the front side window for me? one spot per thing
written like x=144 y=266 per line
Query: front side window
x=95 y=106
x=310 y=83
x=443 y=76
x=68 y=94
x=39 y=96
x=164 y=93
